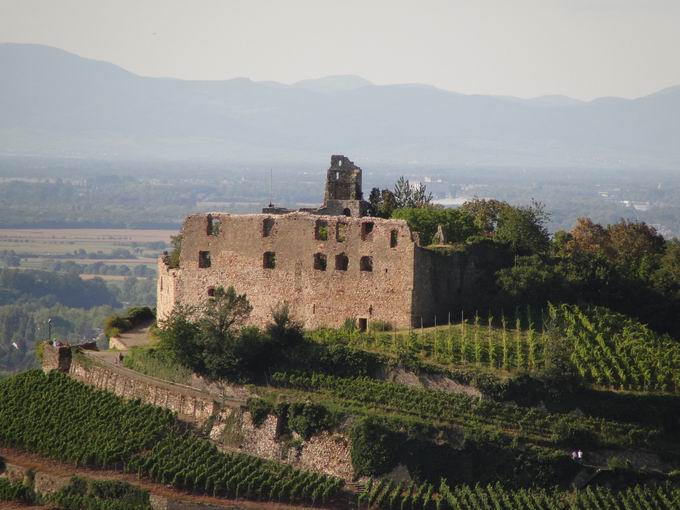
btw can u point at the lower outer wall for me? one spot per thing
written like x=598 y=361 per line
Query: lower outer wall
x=326 y=452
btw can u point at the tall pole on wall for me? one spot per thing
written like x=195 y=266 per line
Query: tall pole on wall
x=49 y=329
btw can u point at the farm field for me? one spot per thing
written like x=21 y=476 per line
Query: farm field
x=55 y=242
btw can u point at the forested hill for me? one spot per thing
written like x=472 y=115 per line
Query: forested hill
x=66 y=289
x=28 y=298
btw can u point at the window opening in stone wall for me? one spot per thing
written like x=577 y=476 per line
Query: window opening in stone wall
x=366 y=230
x=319 y=261
x=341 y=232
x=337 y=176
x=341 y=262
x=213 y=226
x=211 y=291
x=366 y=264
x=203 y=259
x=363 y=324
x=267 y=226
x=394 y=238
x=269 y=260
x=321 y=230
x=346 y=211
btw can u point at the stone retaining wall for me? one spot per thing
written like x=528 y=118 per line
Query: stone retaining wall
x=183 y=400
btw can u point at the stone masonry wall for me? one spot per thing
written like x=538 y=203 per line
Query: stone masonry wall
x=326 y=452
x=186 y=402
x=317 y=297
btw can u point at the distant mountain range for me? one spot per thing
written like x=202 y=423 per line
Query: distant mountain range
x=54 y=103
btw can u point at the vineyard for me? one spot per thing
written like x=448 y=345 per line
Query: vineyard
x=390 y=495
x=480 y=414
x=62 y=419
x=609 y=349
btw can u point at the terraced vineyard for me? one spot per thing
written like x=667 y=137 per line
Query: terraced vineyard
x=532 y=424
x=382 y=494
x=609 y=349
x=62 y=419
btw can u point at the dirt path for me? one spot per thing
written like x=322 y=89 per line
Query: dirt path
x=136 y=337
x=59 y=469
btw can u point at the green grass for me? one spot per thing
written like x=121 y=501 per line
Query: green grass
x=148 y=360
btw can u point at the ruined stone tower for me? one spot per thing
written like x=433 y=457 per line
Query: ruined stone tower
x=343 y=196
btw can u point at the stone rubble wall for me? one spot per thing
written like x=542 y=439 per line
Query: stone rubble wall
x=327 y=452
x=186 y=402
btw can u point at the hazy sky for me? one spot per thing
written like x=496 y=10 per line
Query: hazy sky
x=581 y=48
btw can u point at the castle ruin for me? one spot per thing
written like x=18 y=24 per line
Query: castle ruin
x=328 y=264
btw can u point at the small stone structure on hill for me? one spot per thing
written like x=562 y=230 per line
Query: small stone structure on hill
x=328 y=264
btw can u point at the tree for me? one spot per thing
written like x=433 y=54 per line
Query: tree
x=457 y=224
x=207 y=338
x=485 y=213
x=284 y=330
x=382 y=202
x=524 y=228
x=530 y=281
x=173 y=258
x=406 y=195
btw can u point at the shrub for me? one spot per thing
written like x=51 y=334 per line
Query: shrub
x=40 y=351
x=381 y=326
x=374 y=447
x=308 y=419
x=259 y=410
x=15 y=491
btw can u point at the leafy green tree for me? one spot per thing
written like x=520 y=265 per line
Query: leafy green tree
x=408 y=196
x=530 y=281
x=457 y=224
x=485 y=213
x=206 y=338
x=524 y=228
x=284 y=329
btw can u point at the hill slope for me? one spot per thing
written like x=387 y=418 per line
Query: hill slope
x=56 y=103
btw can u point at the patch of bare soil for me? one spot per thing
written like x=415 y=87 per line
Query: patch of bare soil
x=58 y=469
x=432 y=382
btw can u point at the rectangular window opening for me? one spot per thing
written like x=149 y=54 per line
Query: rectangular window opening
x=319 y=261
x=321 y=230
x=394 y=238
x=366 y=230
x=267 y=226
x=363 y=324
x=213 y=226
x=203 y=259
x=269 y=260
x=366 y=264
x=341 y=262
x=341 y=232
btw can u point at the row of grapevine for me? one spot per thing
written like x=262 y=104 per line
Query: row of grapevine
x=479 y=342
x=57 y=417
x=612 y=350
x=390 y=495
x=15 y=491
x=609 y=349
x=485 y=414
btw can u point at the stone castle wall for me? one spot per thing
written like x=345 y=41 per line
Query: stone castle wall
x=317 y=297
